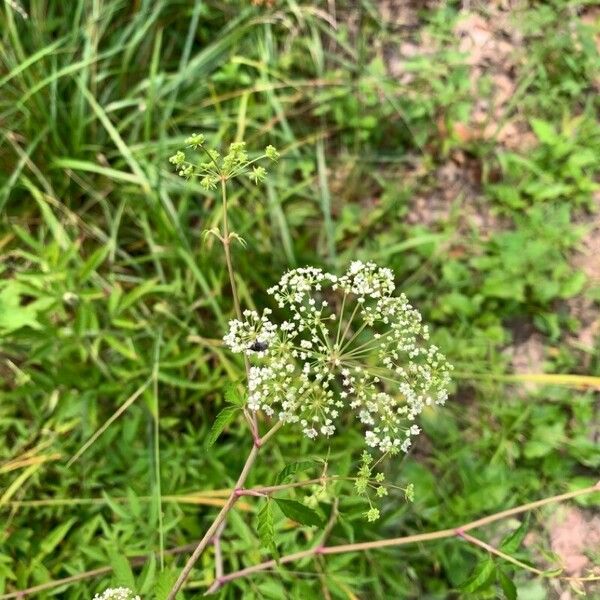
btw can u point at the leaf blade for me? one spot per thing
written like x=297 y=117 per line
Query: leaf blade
x=298 y=512
x=223 y=419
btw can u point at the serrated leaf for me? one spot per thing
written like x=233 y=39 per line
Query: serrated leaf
x=507 y=585
x=292 y=469
x=298 y=512
x=122 y=573
x=164 y=583
x=512 y=541
x=266 y=529
x=232 y=396
x=481 y=576
x=223 y=419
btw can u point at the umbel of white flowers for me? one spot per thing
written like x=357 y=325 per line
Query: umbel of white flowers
x=120 y=593
x=347 y=344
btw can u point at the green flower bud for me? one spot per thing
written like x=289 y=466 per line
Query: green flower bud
x=195 y=140
x=271 y=153
x=372 y=514
x=178 y=158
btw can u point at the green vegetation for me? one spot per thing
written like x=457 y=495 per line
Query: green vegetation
x=113 y=303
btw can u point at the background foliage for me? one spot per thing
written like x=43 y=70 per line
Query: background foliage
x=397 y=145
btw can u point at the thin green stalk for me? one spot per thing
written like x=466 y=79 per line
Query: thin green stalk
x=158 y=486
x=492 y=550
x=348 y=325
x=111 y=420
x=339 y=327
x=227 y=249
x=226 y=240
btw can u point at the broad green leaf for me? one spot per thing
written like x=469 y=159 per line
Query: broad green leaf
x=481 y=576
x=146 y=579
x=90 y=167
x=121 y=348
x=223 y=419
x=148 y=287
x=93 y=262
x=13 y=315
x=514 y=539
x=298 y=512
x=573 y=285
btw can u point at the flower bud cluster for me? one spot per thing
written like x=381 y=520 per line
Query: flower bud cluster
x=348 y=345
x=217 y=168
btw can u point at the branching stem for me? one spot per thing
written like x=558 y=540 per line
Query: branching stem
x=412 y=539
x=220 y=518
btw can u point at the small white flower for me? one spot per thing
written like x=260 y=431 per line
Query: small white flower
x=347 y=343
x=120 y=593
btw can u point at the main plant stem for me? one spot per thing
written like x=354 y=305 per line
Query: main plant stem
x=236 y=493
x=220 y=518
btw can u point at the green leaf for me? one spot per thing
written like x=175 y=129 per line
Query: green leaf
x=124 y=349
x=13 y=315
x=573 y=285
x=122 y=573
x=93 y=262
x=481 y=576
x=56 y=536
x=266 y=529
x=232 y=396
x=298 y=512
x=291 y=469
x=514 y=539
x=544 y=131
x=223 y=419
x=148 y=287
x=507 y=585
x=164 y=583
x=146 y=579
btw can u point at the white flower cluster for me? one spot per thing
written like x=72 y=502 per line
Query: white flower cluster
x=253 y=335
x=348 y=344
x=120 y=593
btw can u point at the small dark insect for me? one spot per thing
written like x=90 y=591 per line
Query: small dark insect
x=258 y=346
